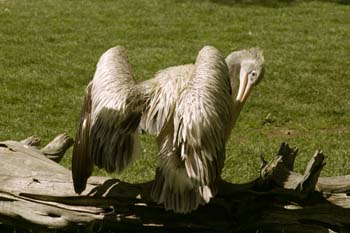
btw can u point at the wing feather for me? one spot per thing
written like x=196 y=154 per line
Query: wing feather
x=116 y=112
x=201 y=115
x=110 y=138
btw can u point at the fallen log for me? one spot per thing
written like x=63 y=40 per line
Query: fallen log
x=36 y=195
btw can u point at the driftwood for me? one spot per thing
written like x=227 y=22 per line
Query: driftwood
x=36 y=194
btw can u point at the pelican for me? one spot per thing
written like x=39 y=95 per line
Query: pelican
x=191 y=109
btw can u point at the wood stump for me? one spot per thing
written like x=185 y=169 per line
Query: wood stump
x=37 y=195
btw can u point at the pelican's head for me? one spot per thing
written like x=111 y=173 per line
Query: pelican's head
x=250 y=65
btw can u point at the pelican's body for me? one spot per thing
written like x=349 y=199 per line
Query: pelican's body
x=190 y=108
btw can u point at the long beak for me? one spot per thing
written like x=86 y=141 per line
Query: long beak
x=245 y=86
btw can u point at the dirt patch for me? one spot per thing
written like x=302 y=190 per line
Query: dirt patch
x=338 y=130
x=286 y=133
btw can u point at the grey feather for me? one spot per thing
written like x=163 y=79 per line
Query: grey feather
x=82 y=164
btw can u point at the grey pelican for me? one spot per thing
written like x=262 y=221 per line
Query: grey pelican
x=191 y=108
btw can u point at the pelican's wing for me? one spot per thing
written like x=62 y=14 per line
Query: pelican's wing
x=107 y=135
x=201 y=117
x=164 y=90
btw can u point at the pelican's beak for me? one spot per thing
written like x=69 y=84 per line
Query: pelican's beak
x=245 y=86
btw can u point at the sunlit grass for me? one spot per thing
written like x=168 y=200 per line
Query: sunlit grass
x=48 y=52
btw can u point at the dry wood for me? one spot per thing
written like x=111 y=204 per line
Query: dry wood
x=36 y=194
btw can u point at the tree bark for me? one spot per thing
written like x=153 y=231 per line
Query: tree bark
x=36 y=194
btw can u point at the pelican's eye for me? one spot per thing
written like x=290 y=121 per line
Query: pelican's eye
x=254 y=74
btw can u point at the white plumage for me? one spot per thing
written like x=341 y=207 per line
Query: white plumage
x=191 y=109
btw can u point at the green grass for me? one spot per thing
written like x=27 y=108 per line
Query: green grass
x=48 y=52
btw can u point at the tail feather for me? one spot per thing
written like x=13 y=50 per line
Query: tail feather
x=173 y=186
x=180 y=197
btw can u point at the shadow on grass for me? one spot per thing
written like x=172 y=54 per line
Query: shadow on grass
x=265 y=3
x=343 y=2
x=272 y=3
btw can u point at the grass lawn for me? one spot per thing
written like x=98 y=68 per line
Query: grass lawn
x=49 y=48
